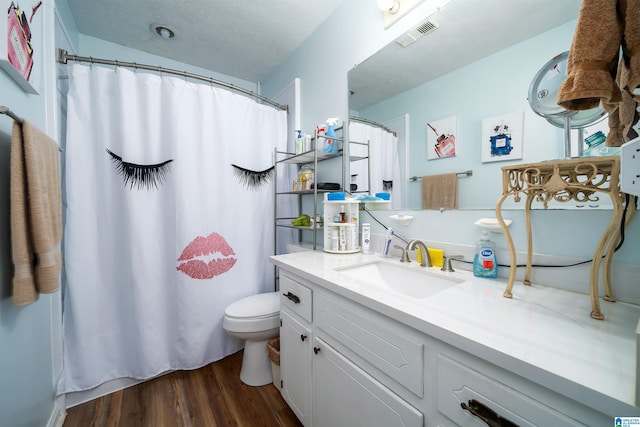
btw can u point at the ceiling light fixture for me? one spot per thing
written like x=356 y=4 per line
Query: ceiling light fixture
x=390 y=6
x=163 y=31
x=393 y=10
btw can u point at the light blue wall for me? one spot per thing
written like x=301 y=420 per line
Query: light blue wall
x=27 y=392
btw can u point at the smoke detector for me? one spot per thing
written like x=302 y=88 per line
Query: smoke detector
x=422 y=29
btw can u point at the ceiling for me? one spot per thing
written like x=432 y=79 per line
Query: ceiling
x=240 y=38
x=468 y=30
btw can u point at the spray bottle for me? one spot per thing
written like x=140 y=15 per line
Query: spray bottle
x=331 y=145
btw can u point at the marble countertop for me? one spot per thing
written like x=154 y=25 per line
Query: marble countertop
x=543 y=334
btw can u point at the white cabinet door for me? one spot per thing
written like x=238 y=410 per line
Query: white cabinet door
x=295 y=366
x=345 y=395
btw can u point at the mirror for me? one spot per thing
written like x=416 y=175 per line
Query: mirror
x=475 y=64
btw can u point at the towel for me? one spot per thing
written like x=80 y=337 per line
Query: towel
x=593 y=58
x=623 y=120
x=35 y=212
x=604 y=65
x=440 y=191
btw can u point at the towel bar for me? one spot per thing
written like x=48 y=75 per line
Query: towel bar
x=465 y=173
x=7 y=111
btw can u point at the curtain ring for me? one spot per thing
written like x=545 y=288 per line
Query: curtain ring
x=91 y=62
x=116 y=61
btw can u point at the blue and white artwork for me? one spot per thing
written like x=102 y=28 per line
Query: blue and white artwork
x=502 y=137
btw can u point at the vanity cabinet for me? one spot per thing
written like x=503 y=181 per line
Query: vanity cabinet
x=323 y=383
x=359 y=365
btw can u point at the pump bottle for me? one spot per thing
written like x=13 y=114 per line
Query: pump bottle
x=484 y=261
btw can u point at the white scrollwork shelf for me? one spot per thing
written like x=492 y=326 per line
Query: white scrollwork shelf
x=580 y=180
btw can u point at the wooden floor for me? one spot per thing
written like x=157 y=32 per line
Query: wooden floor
x=209 y=396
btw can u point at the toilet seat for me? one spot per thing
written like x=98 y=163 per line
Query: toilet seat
x=253 y=314
x=255 y=306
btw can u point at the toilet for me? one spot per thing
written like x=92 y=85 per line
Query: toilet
x=255 y=319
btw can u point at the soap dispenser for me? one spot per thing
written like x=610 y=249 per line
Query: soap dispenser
x=484 y=261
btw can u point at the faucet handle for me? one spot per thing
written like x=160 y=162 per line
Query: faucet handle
x=446 y=265
x=405 y=255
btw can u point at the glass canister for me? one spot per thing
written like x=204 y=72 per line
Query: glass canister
x=305 y=177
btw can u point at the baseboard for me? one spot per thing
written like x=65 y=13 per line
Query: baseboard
x=58 y=414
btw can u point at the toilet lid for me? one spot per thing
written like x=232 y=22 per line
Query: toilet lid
x=260 y=305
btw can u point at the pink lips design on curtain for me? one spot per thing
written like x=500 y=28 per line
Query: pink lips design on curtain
x=214 y=246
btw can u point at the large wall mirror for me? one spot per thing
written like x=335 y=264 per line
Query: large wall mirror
x=469 y=68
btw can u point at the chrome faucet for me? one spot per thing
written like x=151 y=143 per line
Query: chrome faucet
x=426 y=259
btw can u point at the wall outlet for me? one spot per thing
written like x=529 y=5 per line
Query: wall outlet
x=630 y=167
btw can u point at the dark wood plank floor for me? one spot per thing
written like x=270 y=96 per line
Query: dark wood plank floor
x=209 y=396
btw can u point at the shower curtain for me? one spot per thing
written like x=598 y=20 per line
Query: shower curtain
x=169 y=219
x=383 y=158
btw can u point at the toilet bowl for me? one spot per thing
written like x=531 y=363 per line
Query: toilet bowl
x=256 y=320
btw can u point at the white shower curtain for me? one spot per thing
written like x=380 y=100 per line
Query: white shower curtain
x=162 y=231
x=383 y=158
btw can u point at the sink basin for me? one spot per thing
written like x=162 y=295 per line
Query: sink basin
x=410 y=281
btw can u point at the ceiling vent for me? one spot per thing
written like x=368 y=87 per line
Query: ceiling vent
x=422 y=29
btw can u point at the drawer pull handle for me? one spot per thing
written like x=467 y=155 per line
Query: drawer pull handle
x=316 y=350
x=292 y=297
x=487 y=415
x=303 y=337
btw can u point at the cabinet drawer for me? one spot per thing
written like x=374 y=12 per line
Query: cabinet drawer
x=459 y=384
x=386 y=345
x=295 y=296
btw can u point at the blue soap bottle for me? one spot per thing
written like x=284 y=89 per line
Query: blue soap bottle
x=484 y=262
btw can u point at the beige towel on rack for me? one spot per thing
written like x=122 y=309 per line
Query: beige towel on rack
x=36 y=213
x=440 y=191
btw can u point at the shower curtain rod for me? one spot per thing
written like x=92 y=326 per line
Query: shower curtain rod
x=64 y=56
x=465 y=173
x=371 y=122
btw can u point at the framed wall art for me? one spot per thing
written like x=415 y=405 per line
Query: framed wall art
x=21 y=42
x=502 y=137
x=441 y=138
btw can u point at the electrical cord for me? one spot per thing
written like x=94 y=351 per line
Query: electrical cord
x=618 y=246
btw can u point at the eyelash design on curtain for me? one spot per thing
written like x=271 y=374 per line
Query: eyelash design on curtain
x=253 y=180
x=140 y=176
x=387 y=185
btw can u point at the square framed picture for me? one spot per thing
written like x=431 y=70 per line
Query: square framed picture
x=441 y=138
x=21 y=44
x=502 y=137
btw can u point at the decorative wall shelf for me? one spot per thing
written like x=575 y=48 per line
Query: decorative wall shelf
x=579 y=180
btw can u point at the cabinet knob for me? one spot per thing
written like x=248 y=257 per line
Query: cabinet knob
x=303 y=337
x=316 y=350
x=292 y=297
